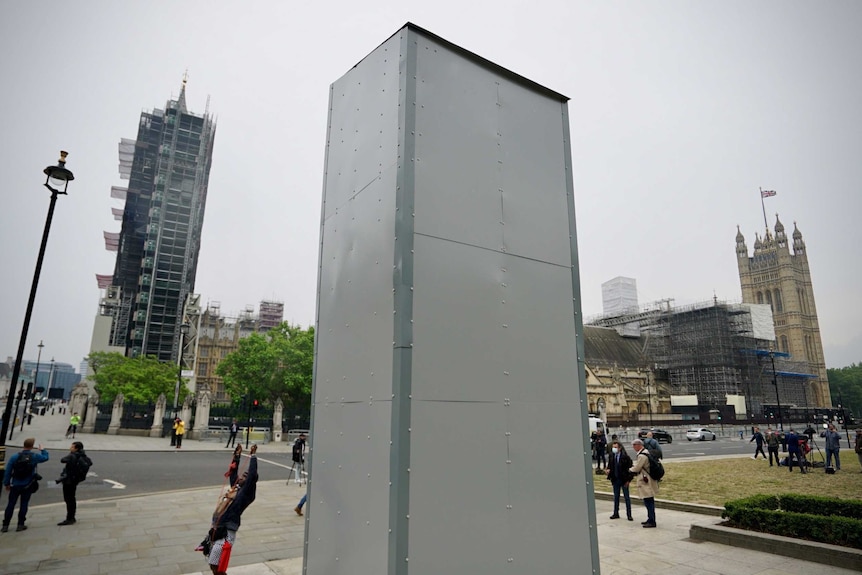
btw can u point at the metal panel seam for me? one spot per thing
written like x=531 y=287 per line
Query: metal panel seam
x=402 y=360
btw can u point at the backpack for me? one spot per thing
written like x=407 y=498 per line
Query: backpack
x=82 y=466
x=23 y=467
x=656 y=469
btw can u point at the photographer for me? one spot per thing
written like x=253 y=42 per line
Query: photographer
x=73 y=473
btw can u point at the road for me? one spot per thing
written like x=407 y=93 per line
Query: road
x=721 y=446
x=126 y=473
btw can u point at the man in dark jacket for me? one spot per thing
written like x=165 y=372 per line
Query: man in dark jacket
x=620 y=477
x=18 y=480
x=601 y=449
x=232 y=430
x=758 y=437
x=70 y=478
x=793 y=451
x=226 y=519
x=833 y=446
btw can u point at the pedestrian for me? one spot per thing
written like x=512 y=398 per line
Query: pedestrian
x=833 y=446
x=179 y=430
x=772 y=445
x=233 y=429
x=298 y=456
x=653 y=445
x=298 y=508
x=804 y=450
x=793 y=451
x=74 y=421
x=601 y=450
x=859 y=445
x=620 y=477
x=75 y=471
x=758 y=437
x=233 y=470
x=227 y=516
x=21 y=481
x=647 y=486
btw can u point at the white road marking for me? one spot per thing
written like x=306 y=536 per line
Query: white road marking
x=114 y=484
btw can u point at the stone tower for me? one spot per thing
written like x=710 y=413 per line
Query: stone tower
x=775 y=276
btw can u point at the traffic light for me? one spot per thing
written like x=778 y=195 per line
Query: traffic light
x=255 y=405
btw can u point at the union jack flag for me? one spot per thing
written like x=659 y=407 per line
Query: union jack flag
x=767 y=193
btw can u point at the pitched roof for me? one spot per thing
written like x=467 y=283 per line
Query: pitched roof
x=604 y=346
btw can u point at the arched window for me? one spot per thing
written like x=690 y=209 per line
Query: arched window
x=769 y=298
x=759 y=297
x=779 y=306
x=784 y=347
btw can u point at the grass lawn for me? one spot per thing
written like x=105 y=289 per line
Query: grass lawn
x=712 y=482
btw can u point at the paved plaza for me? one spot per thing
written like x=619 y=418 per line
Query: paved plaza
x=157 y=534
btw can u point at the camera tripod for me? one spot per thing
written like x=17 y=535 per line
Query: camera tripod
x=298 y=470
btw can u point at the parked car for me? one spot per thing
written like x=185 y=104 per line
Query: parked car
x=659 y=435
x=700 y=433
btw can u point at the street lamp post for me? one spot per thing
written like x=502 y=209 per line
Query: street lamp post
x=184 y=330
x=50 y=381
x=57 y=181
x=31 y=387
x=775 y=383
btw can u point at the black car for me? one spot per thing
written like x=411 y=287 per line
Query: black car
x=659 y=435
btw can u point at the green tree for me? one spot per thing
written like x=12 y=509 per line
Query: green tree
x=139 y=379
x=846 y=382
x=266 y=367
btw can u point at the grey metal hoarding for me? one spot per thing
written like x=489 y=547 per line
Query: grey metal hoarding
x=449 y=430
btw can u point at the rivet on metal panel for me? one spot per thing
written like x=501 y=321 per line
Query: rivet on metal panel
x=410 y=396
x=506 y=373
x=508 y=507
x=409 y=429
x=511 y=559
x=504 y=301
x=505 y=325
x=508 y=461
x=504 y=285
x=508 y=433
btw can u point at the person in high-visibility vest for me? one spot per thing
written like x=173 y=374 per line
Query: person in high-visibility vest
x=74 y=422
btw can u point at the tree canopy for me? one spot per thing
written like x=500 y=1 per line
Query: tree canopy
x=139 y=379
x=846 y=382
x=271 y=366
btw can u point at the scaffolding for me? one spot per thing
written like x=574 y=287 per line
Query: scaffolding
x=271 y=314
x=714 y=350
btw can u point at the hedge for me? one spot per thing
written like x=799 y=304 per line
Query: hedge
x=823 y=519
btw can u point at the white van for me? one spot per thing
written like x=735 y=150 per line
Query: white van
x=596 y=424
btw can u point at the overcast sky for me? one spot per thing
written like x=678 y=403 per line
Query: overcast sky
x=679 y=112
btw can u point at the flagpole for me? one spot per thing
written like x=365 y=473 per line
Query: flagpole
x=763 y=206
